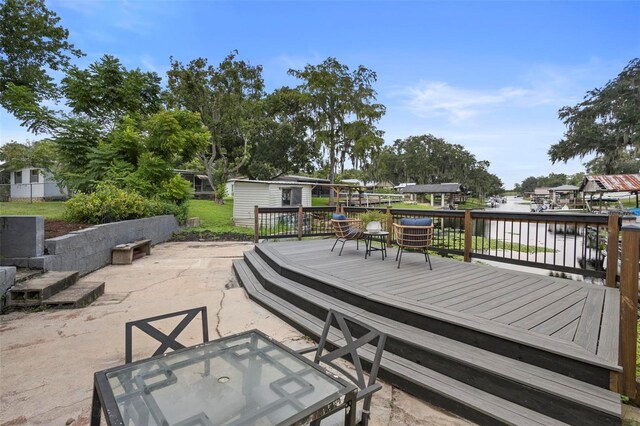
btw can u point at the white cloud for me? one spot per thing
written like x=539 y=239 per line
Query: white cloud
x=457 y=104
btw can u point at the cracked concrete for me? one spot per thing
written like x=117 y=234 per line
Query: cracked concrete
x=47 y=359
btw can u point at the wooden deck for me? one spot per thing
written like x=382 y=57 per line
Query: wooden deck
x=577 y=319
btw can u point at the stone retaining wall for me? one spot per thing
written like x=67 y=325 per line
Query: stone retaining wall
x=90 y=249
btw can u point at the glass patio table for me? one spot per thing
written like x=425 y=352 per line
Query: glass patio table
x=243 y=379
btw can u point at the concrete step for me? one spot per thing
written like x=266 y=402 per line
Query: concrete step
x=34 y=291
x=78 y=295
x=24 y=274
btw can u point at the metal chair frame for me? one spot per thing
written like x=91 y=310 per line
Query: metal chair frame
x=343 y=229
x=343 y=322
x=167 y=341
x=413 y=237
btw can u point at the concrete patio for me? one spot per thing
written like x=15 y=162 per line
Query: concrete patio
x=47 y=359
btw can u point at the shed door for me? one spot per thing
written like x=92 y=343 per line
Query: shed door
x=296 y=196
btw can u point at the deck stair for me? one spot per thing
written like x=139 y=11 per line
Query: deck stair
x=473 y=382
x=53 y=289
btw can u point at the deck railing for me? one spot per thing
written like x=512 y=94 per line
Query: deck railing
x=570 y=243
x=627 y=347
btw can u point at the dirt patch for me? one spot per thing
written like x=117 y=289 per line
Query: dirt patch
x=56 y=228
x=210 y=236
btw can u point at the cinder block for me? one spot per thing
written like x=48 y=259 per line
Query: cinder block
x=21 y=236
x=7 y=278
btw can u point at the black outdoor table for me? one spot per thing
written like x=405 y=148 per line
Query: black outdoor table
x=370 y=237
x=243 y=379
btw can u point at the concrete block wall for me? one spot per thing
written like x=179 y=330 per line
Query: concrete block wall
x=21 y=236
x=90 y=249
x=7 y=278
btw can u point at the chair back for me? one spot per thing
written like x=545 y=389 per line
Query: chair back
x=413 y=236
x=167 y=341
x=369 y=335
x=341 y=227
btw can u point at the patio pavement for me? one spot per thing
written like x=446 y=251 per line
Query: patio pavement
x=47 y=359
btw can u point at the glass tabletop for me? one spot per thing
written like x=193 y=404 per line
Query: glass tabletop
x=245 y=379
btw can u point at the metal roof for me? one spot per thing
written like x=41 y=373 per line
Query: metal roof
x=273 y=182
x=611 y=183
x=541 y=191
x=434 y=188
x=565 y=188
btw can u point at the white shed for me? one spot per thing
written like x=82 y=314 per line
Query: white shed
x=250 y=193
x=34 y=184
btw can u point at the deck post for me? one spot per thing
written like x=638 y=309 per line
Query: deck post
x=300 y=216
x=468 y=234
x=612 y=249
x=629 y=308
x=389 y=225
x=256 y=225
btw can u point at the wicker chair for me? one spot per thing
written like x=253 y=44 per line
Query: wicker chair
x=415 y=237
x=347 y=230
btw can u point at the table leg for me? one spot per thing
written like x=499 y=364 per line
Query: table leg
x=350 y=412
x=95 y=408
x=367 y=244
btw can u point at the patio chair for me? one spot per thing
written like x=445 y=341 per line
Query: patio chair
x=346 y=230
x=167 y=341
x=414 y=234
x=341 y=328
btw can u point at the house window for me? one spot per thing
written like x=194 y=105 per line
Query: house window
x=286 y=197
x=17 y=177
x=291 y=196
x=35 y=176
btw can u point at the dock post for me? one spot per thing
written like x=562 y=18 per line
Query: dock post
x=612 y=249
x=300 y=217
x=629 y=308
x=389 y=225
x=468 y=234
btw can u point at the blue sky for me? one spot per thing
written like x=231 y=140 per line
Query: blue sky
x=490 y=76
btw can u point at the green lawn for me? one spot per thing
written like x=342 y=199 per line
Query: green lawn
x=49 y=209
x=215 y=217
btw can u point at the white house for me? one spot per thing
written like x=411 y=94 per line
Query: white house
x=250 y=193
x=34 y=184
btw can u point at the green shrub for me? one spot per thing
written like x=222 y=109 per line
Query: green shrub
x=106 y=204
x=159 y=207
x=177 y=190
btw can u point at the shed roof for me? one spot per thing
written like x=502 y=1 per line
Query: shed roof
x=273 y=182
x=541 y=191
x=565 y=188
x=611 y=183
x=297 y=178
x=434 y=188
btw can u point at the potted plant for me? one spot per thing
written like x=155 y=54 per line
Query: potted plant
x=372 y=220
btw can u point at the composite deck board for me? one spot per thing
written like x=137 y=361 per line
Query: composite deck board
x=548 y=306
x=441 y=281
x=534 y=306
x=534 y=285
x=473 y=289
x=549 y=291
x=588 y=327
x=562 y=319
x=411 y=277
x=446 y=283
x=568 y=331
x=508 y=287
x=551 y=310
x=610 y=326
